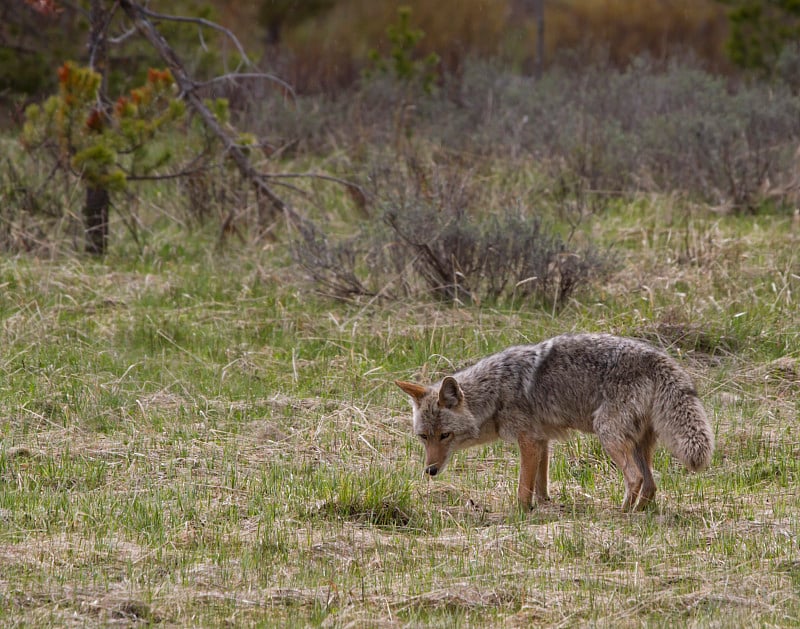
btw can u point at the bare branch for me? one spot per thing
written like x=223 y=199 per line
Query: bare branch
x=295 y=189
x=344 y=182
x=356 y=192
x=203 y=22
x=233 y=77
x=119 y=39
x=98 y=39
x=167 y=176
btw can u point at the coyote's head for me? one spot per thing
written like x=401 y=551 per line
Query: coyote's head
x=442 y=421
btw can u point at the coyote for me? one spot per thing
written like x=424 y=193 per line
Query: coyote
x=625 y=391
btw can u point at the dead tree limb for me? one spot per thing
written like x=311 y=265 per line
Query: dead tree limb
x=139 y=16
x=202 y=22
x=98 y=199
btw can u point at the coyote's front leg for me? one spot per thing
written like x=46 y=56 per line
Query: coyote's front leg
x=533 y=470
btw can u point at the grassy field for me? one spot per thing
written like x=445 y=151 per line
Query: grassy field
x=194 y=437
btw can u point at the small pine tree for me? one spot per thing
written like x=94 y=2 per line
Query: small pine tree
x=101 y=147
x=402 y=62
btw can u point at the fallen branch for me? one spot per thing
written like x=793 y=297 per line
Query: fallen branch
x=188 y=87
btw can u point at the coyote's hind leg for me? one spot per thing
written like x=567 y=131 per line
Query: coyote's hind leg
x=622 y=453
x=643 y=455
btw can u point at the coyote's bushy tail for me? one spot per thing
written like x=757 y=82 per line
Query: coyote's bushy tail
x=682 y=424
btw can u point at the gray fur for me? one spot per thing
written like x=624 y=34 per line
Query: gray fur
x=625 y=391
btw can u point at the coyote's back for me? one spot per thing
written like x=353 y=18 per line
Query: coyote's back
x=625 y=391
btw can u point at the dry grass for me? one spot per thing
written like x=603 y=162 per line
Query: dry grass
x=199 y=442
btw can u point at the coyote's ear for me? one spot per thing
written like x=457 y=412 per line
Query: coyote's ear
x=450 y=393
x=416 y=391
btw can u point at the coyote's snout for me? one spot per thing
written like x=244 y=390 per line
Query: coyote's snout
x=625 y=391
x=432 y=469
x=435 y=459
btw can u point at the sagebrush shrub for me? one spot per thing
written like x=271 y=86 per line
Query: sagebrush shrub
x=429 y=238
x=648 y=128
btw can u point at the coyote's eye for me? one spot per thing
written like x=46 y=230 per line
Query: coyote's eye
x=423 y=437
x=445 y=436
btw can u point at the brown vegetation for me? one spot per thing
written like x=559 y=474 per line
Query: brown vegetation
x=330 y=50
